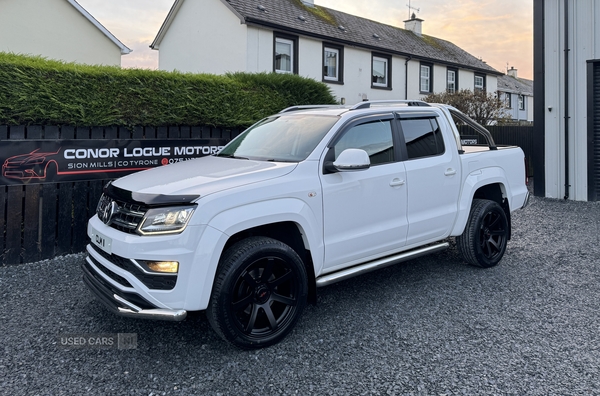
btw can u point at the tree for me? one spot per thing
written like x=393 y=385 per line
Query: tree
x=485 y=108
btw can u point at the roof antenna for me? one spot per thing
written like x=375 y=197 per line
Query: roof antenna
x=412 y=8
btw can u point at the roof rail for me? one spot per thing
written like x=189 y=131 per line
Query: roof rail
x=308 y=107
x=367 y=104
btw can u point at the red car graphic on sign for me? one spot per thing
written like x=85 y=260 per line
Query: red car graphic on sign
x=35 y=165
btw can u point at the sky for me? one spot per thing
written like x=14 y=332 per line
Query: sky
x=498 y=31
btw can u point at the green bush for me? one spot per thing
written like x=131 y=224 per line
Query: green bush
x=36 y=91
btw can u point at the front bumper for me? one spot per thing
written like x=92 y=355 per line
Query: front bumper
x=124 y=303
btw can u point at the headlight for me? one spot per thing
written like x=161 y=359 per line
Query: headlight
x=166 y=220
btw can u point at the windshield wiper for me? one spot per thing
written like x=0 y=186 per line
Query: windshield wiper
x=233 y=156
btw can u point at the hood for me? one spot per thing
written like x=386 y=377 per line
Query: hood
x=202 y=176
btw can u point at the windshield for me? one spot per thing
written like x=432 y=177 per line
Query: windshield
x=288 y=138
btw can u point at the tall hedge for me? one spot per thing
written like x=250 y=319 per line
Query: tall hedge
x=37 y=91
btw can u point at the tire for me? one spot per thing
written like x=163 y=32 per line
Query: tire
x=259 y=293
x=483 y=242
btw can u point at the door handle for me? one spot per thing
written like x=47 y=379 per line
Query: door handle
x=450 y=172
x=397 y=182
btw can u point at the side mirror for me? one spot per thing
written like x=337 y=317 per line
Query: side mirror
x=352 y=160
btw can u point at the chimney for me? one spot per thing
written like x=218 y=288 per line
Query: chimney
x=512 y=72
x=414 y=25
x=310 y=3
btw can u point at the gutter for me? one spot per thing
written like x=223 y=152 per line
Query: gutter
x=406 y=77
x=567 y=185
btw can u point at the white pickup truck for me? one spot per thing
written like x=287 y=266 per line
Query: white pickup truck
x=302 y=199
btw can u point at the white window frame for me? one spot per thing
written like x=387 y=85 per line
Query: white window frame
x=451 y=82
x=281 y=40
x=482 y=86
x=425 y=78
x=386 y=62
x=508 y=100
x=521 y=102
x=337 y=63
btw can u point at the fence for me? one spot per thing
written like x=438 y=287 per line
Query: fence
x=514 y=135
x=41 y=221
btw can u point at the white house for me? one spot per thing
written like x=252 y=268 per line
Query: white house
x=57 y=29
x=517 y=94
x=567 y=99
x=358 y=58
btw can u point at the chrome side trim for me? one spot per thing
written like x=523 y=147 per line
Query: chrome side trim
x=347 y=273
x=170 y=315
x=125 y=302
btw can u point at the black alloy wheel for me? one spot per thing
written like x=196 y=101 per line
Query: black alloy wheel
x=485 y=237
x=259 y=293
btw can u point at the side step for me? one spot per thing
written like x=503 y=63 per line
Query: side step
x=347 y=273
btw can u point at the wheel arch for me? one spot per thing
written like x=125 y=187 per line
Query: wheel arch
x=289 y=220
x=490 y=184
x=291 y=234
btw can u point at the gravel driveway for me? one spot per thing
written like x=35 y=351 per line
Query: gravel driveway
x=433 y=326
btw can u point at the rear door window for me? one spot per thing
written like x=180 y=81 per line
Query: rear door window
x=423 y=137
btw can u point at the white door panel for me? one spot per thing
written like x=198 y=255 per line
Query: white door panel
x=364 y=213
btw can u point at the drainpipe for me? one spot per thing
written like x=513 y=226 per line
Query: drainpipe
x=406 y=77
x=567 y=185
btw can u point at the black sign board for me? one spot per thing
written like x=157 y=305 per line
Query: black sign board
x=52 y=161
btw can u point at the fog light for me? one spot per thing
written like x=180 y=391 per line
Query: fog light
x=163 y=266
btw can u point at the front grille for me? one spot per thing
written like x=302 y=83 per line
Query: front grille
x=117 y=278
x=105 y=290
x=120 y=215
x=151 y=281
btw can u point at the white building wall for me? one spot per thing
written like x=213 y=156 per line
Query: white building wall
x=466 y=80
x=584 y=45
x=530 y=108
x=54 y=29
x=440 y=82
x=259 y=50
x=310 y=58
x=204 y=37
x=414 y=80
x=491 y=83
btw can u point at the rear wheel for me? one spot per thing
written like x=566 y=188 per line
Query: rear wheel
x=259 y=293
x=484 y=240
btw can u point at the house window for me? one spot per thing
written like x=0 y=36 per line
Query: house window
x=333 y=63
x=507 y=100
x=521 y=102
x=479 y=82
x=285 y=55
x=452 y=80
x=426 y=78
x=381 y=72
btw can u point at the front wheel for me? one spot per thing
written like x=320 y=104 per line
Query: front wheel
x=259 y=293
x=483 y=242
